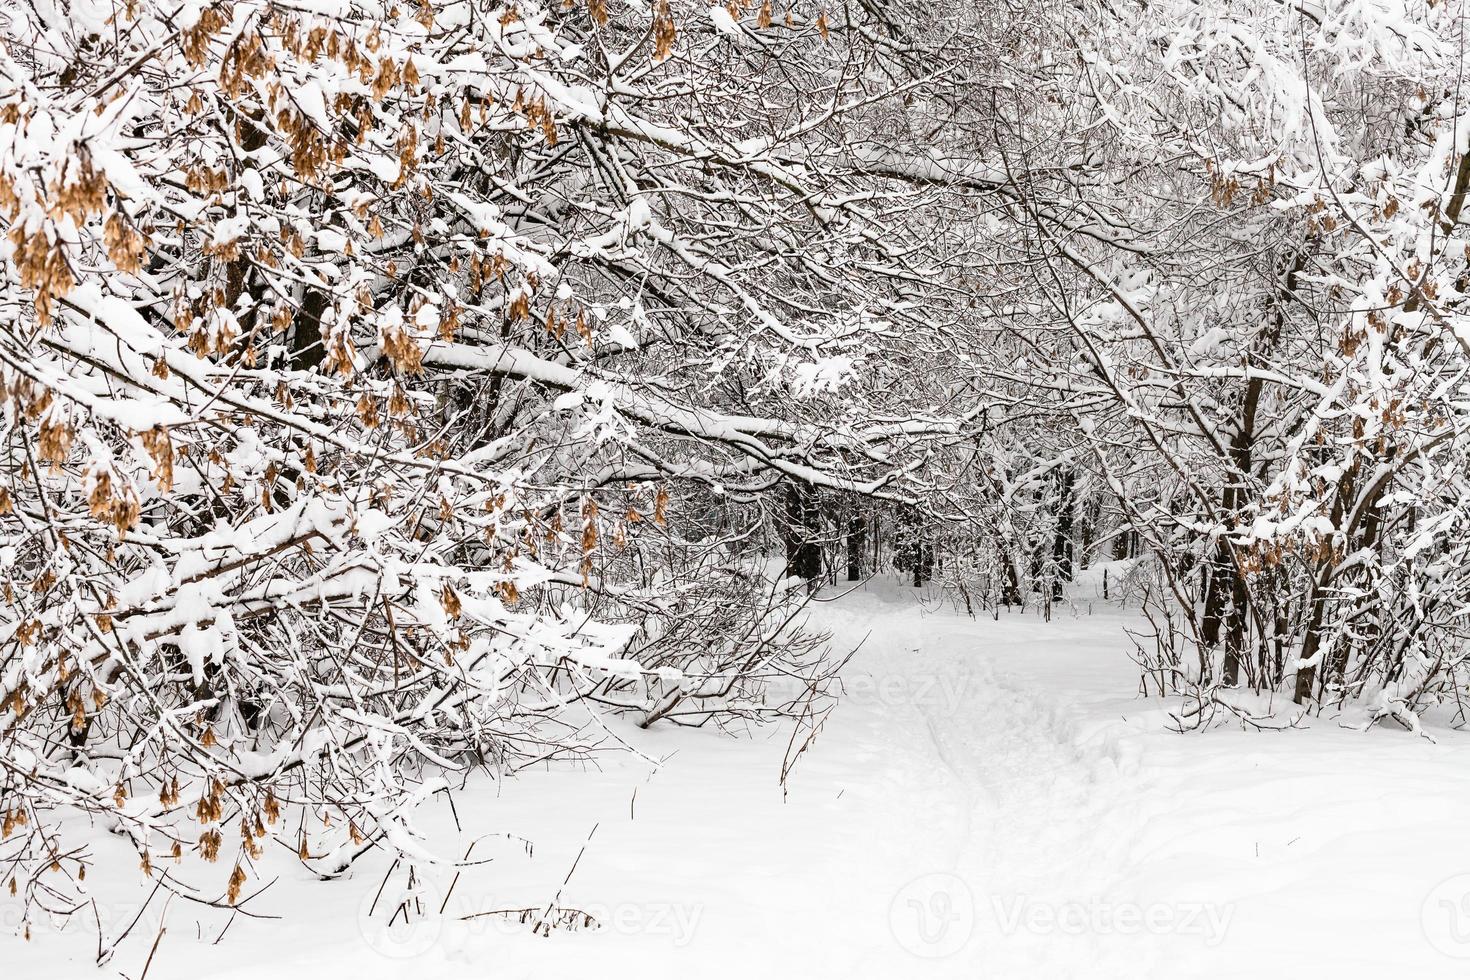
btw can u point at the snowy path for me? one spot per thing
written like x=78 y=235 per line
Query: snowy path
x=1039 y=828
x=990 y=801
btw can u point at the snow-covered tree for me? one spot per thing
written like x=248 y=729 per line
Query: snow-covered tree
x=391 y=389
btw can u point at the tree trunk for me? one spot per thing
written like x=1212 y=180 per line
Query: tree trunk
x=1061 y=550
x=1010 y=593
x=1120 y=544
x=307 y=350
x=1235 y=628
x=857 y=532
x=803 y=531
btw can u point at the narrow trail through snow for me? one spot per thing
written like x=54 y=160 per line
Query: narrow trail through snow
x=1037 y=822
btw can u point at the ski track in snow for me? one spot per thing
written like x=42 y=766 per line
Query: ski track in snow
x=990 y=800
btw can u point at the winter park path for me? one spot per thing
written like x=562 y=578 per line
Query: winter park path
x=991 y=800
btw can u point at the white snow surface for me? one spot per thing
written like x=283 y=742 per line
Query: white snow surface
x=991 y=800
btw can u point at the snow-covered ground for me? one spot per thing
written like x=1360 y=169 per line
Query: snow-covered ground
x=991 y=800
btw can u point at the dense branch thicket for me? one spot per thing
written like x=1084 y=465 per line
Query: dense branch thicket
x=390 y=390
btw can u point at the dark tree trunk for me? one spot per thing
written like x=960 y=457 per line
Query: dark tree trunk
x=1282 y=624
x=923 y=560
x=857 y=534
x=915 y=550
x=1010 y=593
x=803 y=531
x=1061 y=550
x=1235 y=631
x=1307 y=677
x=307 y=350
x=1088 y=530
x=1120 y=544
x=1217 y=588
